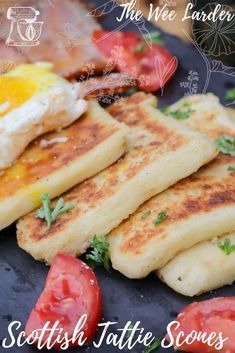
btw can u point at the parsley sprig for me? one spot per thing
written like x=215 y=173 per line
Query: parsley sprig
x=162 y=215
x=179 y=114
x=226 y=246
x=146 y=214
x=99 y=255
x=230 y=94
x=226 y=144
x=50 y=215
x=153 y=346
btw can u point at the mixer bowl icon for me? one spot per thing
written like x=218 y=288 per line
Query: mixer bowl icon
x=24 y=29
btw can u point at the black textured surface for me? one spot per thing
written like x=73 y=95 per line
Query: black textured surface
x=148 y=300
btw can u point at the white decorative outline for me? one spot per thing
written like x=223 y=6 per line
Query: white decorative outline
x=31 y=37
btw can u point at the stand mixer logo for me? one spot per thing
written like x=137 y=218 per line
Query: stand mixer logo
x=24 y=29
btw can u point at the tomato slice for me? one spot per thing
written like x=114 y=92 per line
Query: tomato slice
x=151 y=66
x=210 y=316
x=71 y=290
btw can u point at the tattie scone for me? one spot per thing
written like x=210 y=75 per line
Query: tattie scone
x=57 y=161
x=203 y=267
x=160 y=152
x=198 y=208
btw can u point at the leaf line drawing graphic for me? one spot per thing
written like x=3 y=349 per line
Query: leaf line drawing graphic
x=211 y=66
x=108 y=7
x=217 y=36
x=51 y=3
x=163 y=71
x=143 y=31
x=72 y=37
x=104 y=9
x=191 y=84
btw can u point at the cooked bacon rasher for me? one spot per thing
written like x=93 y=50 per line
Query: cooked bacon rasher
x=66 y=38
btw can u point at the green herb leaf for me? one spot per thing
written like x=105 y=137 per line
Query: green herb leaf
x=231 y=168
x=146 y=214
x=140 y=48
x=226 y=246
x=154 y=37
x=131 y=91
x=45 y=211
x=61 y=208
x=165 y=110
x=230 y=94
x=160 y=217
x=153 y=346
x=179 y=114
x=226 y=144
x=99 y=256
x=50 y=215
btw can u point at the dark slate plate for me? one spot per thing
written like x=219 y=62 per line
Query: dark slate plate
x=148 y=300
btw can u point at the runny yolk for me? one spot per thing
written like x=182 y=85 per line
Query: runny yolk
x=15 y=91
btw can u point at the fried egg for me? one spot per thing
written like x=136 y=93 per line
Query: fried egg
x=33 y=101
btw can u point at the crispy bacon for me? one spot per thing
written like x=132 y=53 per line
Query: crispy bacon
x=66 y=38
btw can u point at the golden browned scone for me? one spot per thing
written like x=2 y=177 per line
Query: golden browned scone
x=231 y=113
x=57 y=161
x=202 y=268
x=160 y=152
x=198 y=208
x=192 y=272
x=206 y=115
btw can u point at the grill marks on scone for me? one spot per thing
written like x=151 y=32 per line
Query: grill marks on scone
x=197 y=194
x=158 y=151
x=36 y=162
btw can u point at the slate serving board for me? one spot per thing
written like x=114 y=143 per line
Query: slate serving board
x=148 y=300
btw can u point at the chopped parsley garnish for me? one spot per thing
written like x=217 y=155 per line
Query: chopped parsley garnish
x=154 y=37
x=162 y=215
x=226 y=144
x=99 y=255
x=231 y=168
x=230 y=94
x=179 y=114
x=153 y=346
x=50 y=215
x=140 y=48
x=226 y=246
x=146 y=214
x=131 y=91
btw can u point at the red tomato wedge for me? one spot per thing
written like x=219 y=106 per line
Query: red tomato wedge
x=214 y=318
x=71 y=290
x=152 y=66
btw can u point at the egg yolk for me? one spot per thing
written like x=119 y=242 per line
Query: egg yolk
x=15 y=91
x=20 y=84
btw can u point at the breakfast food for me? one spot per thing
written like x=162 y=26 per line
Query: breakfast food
x=203 y=113
x=65 y=40
x=152 y=64
x=202 y=268
x=206 y=258
x=57 y=161
x=160 y=152
x=63 y=296
x=198 y=208
x=33 y=101
x=206 y=326
x=129 y=184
